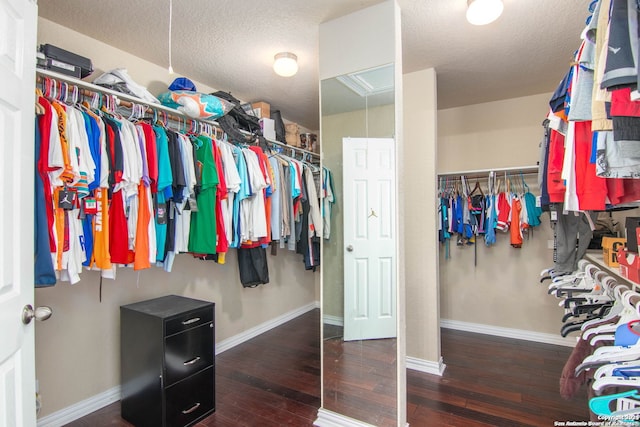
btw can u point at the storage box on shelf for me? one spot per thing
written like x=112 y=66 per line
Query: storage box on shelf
x=261 y=109
x=610 y=247
x=629 y=265
x=292 y=135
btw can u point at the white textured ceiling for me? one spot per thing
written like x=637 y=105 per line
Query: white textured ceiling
x=230 y=44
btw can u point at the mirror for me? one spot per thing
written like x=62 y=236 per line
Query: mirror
x=359 y=338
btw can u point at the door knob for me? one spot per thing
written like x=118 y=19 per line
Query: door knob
x=40 y=313
x=349 y=248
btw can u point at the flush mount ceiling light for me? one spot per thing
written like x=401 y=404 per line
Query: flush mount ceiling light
x=483 y=12
x=285 y=64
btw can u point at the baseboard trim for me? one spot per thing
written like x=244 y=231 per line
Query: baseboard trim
x=238 y=339
x=333 y=320
x=328 y=418
x=80 y=409
x=427 y=366
x=498 y=331
x=92 y=404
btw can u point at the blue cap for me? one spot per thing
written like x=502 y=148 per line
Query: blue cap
x=182 y=83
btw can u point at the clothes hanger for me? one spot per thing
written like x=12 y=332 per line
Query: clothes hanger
x=615 y=310
x=614 y=381
x=39 y=108
x=615 y=354
x=133 y=112
x=627 y=313
x=625 y=403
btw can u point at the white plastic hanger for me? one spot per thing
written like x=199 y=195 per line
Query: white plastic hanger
x=628 y=313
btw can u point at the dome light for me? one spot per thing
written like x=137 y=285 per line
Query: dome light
x=285 y=64
x=483 y=12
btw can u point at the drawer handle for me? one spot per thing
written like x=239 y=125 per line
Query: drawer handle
x=190 y=321
x=190 y=410
x=192 y=361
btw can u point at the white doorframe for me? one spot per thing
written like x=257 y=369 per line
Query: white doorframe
x=18 y=21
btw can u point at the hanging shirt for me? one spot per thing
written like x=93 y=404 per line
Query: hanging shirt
x=328 y=200
x=243 y=193
x=315 y=219
x=252 y=208
x=514 y=227
x=222 y=243
x=47 y=124
x=202 y=235
x=165 y=179
x=44 y=274
x=69 y=173
x=276 y=204
x=232 y=179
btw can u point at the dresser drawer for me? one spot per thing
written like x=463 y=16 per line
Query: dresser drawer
x=188 y=352
x=191 y=399
x=188 y=320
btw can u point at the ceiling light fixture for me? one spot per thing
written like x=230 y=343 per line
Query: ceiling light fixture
x=285 y=64
x=483 y=12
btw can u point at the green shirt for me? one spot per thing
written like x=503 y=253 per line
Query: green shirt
x=202 y=236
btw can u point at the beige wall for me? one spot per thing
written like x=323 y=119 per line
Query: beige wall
x=503 y=289
x=334 y=128
x=78 y=350
x=491 y=135
x=420 y=131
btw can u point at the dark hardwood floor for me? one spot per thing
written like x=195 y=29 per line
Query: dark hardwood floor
x=493 y=381
x=274 y=380
x=359 y=374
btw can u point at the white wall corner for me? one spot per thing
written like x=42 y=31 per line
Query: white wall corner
x=235 y=340
x=498 y=331
x=328 y=418
x=80 y=409
x=426 y=366
x=333 y=320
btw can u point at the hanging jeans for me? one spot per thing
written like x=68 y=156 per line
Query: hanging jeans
x=573 y=234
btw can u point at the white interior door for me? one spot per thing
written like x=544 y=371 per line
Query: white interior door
x=369 y=238
x=17 y=160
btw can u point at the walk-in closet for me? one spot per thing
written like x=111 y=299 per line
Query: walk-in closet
x=374 y=213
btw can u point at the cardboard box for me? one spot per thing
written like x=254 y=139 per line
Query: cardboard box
x=261 y=110
x=630 y=224
x=629 y=265
x=610 y=246
x=292 y=135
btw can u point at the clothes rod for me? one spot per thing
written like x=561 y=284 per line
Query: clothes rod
x=135 y=100
x=523 y=169
x=119 y=95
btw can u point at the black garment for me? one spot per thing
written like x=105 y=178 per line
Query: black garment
x=198 y=186
x=115 y=154
x=557 y=99
x=252 y=263
x=542 y=176
x=177 y=168
x=621 y=68
x=309 y=248
x=170 y=241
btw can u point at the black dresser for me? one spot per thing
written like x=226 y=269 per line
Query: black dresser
x=167 y=361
